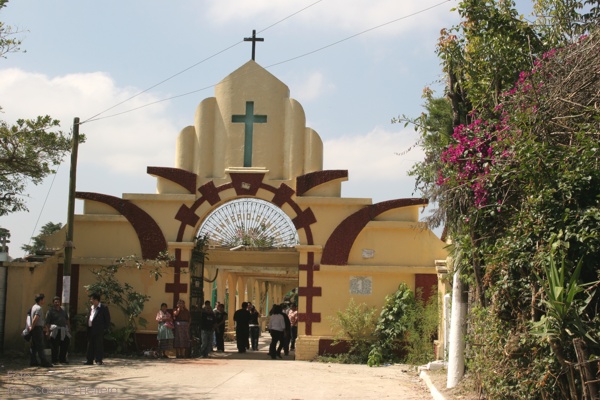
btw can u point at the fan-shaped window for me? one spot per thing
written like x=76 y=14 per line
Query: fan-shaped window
x=249 y=222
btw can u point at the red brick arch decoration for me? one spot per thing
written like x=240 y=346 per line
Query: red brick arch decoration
x=338 y=246
x=247 y=185
x=150 y=236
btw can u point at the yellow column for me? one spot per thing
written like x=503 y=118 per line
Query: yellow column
x=250 y=290
x=242 y=293
x=221 y=279
x=232 y=306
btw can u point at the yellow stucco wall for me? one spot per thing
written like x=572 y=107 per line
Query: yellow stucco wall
x=24 y=281
x=391 y=248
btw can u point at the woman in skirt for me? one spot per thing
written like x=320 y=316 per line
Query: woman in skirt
x=182 y=341
x=165 y=330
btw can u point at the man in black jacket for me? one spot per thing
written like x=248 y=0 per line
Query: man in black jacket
x=242 y=327
x=97 y=322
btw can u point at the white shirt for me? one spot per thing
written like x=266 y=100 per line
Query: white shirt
x=277 y=323
x=93 y=314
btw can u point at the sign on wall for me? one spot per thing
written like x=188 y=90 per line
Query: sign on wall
x=361 y=285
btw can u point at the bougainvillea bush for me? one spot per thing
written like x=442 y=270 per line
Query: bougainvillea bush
x=523 y=179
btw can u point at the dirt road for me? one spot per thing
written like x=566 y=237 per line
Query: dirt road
x=228 y=375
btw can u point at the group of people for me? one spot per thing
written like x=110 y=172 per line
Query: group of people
x=283 y=327
x=174 y=329
x=55 y=326
x=247 y=327
x=212 y=326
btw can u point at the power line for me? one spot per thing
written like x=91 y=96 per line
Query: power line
x=358 y=34
x=92 y=119
x=44 y=204
x=289 y=16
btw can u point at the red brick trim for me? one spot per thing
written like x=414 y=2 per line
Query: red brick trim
x=183 y=178
x=150 y=236
x=308 y=181
x=309 y=292
x=338 y=246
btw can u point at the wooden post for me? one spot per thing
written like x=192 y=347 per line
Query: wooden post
x=66 y=291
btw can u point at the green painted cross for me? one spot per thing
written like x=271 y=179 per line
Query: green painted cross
x=249 y=119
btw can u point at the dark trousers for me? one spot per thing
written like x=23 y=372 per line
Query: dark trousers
x=293 y=338
x=37 y=347
x=254 y=333
x=284 y=344
x=276 y=337
x=220 y=337
x=95 y=346
x=207 y=339
x=59 y=348
x=241 y=335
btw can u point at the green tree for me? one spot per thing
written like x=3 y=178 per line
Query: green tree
x=9 y=41
x=124 y=296
x=528 y=172
x=565 y=20
x=520 y=168
x=39 y=241
x=29 y=148
x=435 y=127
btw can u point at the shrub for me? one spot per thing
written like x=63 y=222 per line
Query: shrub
x=355 y=326
x=406 y=328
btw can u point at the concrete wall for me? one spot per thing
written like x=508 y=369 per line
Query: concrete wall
x=24 y=281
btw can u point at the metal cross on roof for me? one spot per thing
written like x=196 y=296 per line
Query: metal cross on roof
x=253 y=39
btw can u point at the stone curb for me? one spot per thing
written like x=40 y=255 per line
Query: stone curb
x=435 y=394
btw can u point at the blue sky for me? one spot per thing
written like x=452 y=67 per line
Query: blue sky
x=84 y=57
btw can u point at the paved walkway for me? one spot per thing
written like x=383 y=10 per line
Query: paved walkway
x=228 y=375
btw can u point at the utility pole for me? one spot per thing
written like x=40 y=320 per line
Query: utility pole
x=66 y=291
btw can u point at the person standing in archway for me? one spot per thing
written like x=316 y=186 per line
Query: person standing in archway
x=293 y=316
x=276 y=329
x=220 y=320
x=207 y=329
x=242 y=327
x=284 y=344
x=254 y=327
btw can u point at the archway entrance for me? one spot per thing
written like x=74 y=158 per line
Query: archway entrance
x=251 y=255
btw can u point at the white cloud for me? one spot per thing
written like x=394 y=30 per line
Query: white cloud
x=374 y=167
x=311 y=87
x=330 y=15
x=113 y=159
x=121 y=144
